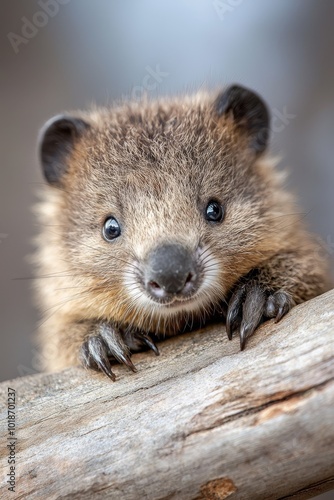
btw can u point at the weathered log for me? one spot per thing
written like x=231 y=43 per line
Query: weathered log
x=202 y=421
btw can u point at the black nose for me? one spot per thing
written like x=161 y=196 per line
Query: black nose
x=170 y=270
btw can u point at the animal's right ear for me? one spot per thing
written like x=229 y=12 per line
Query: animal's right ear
x=56 y=142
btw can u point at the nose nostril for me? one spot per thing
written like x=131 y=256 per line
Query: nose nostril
x=154 y=285
x=189 y=278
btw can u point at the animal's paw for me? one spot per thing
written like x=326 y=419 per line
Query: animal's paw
x=107 y=343
x=250 y=305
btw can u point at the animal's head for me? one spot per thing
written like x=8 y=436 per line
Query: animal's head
x=163 y=205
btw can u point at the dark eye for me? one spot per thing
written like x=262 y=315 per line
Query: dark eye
x=214 y=211
x=111 y=229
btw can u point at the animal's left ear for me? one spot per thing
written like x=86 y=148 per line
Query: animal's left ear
x=249 y=113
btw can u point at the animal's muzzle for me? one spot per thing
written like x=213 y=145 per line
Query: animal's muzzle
x=171 y=270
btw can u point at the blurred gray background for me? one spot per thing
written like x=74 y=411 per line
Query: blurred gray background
x=66 y=54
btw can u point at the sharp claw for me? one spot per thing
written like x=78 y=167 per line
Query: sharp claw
x=250 y=304
x=246 y=330
x=282 y=311
x=233 y=314
x=283 y=303
x=229 y=333
x=230 y=322
x=105 y=367
x=116 y=346
x=252 y=314
x=149 y=342
x=124 y=358
x=94 y=355
x=242 y=342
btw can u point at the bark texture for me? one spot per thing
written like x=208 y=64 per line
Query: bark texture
x=202 y=421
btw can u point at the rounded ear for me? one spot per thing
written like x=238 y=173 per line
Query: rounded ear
x=56 y=141
x=249 y=113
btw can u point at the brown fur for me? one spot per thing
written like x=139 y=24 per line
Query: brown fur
x=154 y=166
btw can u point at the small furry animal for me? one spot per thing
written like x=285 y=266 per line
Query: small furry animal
x=157 y=217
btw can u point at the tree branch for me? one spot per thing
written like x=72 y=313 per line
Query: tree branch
x=202 y=421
